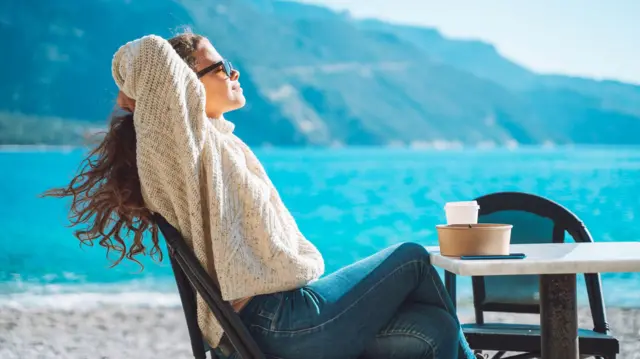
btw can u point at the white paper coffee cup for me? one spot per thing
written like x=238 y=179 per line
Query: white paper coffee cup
x=462 y=212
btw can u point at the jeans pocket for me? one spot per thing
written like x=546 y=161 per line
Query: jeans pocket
x=299 y=312
x=262 y=311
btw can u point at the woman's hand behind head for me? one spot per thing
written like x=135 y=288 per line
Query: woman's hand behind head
x=125 y=102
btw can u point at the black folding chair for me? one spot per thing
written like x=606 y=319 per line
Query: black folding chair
x=191 y=275
x=535 y=220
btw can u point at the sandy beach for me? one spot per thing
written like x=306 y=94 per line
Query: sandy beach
x=112 y=332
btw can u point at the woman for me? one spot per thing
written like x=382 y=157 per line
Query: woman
x=174 y=154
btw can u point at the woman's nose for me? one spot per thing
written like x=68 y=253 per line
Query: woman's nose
x=235 y=75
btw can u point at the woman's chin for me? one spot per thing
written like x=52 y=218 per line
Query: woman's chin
x=235 y=103
x=240 y=100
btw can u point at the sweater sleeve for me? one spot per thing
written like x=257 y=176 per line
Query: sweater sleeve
x=170 y=132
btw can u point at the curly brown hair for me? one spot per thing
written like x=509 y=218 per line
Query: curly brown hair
x=106 y=195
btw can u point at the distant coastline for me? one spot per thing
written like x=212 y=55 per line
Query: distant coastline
x=439 y=146
x=39 y=148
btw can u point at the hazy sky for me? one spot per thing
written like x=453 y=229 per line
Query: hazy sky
x=594 y=38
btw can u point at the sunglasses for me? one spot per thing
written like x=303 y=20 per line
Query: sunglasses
x=223 y=65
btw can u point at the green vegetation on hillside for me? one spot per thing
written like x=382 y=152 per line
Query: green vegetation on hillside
x=19 y=129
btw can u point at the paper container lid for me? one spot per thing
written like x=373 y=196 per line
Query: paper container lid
x=476 y=226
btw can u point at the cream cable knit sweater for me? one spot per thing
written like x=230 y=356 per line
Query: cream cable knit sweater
x=207 y=183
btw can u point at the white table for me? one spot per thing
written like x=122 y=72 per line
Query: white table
x=557 y=264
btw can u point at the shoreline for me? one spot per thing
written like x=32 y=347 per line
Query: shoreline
x=38 y=148
x=125 y=331
x=409 y=147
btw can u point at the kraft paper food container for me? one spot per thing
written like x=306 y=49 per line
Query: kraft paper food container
x=474 y=239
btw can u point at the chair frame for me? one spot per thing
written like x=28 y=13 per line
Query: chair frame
x=191 y=277
x=564 y=220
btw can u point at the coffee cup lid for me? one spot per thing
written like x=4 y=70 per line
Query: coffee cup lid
x=462 y=204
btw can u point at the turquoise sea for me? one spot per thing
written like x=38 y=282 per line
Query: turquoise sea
x=349 y=202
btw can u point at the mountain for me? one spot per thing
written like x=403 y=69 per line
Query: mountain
x=483 y=60
x=312 y=76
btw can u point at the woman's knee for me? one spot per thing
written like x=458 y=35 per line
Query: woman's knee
x=411 y=251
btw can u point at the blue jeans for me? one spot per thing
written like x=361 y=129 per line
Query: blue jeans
x=391 y=305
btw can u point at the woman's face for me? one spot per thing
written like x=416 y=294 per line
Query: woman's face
x=223 y=92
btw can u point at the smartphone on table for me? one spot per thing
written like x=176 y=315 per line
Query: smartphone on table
x=489 y=257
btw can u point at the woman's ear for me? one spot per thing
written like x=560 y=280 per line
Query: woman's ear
x=125 y=102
